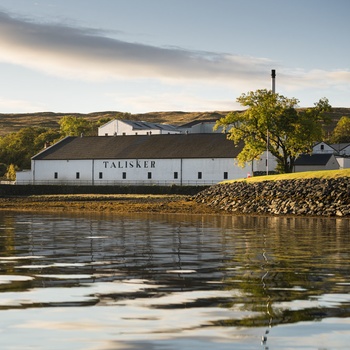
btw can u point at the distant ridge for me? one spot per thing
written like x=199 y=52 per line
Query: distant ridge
x=14 y=122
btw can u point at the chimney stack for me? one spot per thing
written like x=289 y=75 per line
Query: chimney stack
x=273 y=76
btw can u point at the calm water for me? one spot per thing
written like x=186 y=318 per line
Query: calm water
x=173 y=282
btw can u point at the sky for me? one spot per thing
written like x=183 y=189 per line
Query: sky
x=142 y=56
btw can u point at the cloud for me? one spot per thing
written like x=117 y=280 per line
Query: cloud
x=20 y=106
x=89 y=54
x=84 y=53
x=173 y=101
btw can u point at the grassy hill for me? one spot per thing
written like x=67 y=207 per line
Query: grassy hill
x=14 y=122
x=319 y=174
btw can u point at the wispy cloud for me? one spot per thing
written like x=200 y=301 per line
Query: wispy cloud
x=90 y=54
x=85 y=53
x=20 y=106
x=172 y=101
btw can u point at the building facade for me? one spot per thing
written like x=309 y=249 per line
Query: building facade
x=127 y=127
x=171 y=159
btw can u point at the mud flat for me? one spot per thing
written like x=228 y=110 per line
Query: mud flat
x=181 y=204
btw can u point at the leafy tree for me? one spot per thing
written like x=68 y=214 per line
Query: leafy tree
x=341 y=133
x=272 y=121
x=3 y=169
x=11 y=172
x=76 y=126
x=17 y=148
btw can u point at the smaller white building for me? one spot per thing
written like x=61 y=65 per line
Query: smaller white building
x=127 y=127
x=200 y=127
x=314 y=162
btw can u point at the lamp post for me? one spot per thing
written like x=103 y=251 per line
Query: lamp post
x=273 y=89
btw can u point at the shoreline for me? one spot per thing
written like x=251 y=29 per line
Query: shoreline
x=162 y=204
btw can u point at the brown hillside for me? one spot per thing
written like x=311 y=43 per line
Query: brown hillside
x=14 y=122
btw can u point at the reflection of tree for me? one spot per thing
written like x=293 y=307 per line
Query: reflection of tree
x=271 y=265
x=284 y=262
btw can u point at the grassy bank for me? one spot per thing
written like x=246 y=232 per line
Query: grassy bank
x=322 y=174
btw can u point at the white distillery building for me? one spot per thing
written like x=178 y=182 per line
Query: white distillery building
x=194 y=159
x=128 y=127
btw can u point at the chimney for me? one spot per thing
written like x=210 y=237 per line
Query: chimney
x=273 y=76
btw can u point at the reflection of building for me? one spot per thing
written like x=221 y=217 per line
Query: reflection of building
x=193 y=159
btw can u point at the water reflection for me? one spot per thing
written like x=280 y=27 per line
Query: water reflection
x=172 y=281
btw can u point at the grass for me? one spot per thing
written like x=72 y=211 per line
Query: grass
x=324 y=174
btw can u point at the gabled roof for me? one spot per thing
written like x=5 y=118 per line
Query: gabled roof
x=140 y=125
x=313 y=159
x=196 y=122
x=324 y=143
x=142 y=147
x=340 y=146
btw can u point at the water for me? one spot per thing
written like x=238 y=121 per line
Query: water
x=173 y=282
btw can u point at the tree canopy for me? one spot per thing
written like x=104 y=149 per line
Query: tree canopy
x=341 y=133
x=271 y=121
x=17 y=148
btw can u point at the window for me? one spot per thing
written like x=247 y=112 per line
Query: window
x=55 y=175
x=124 y=175
x=199 y=175
x=149 y=175
x=322 y=147
x=176 y=175
x=77 y=175
x=100 y=175
x=225 y=175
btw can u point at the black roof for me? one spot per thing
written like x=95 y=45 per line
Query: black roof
x=313 y=159
x=142 y=146
x=199 y=121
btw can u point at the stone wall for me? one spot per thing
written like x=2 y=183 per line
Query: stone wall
x=321 y=197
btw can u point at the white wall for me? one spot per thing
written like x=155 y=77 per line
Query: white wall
x=135 y=171
x=261 y=163
x=24 y=177
x=322 y=148
x=119 y=128
x=344 y=163
x=44 y=171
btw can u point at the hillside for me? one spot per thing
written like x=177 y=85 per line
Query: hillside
x=14 y=122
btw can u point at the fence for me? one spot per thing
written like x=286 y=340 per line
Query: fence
x=119 y=183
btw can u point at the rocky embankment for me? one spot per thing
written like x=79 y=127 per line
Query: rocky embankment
x=321 y=197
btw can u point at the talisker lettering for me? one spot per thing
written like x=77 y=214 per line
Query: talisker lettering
x=125 y=164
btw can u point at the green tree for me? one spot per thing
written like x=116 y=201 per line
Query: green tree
x=271 y=121
x=3 y=169
x=341 y=133
x=17 y=148
x=76 y=126
x=11 y=172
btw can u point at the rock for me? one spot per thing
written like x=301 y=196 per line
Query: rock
x=321 y=197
